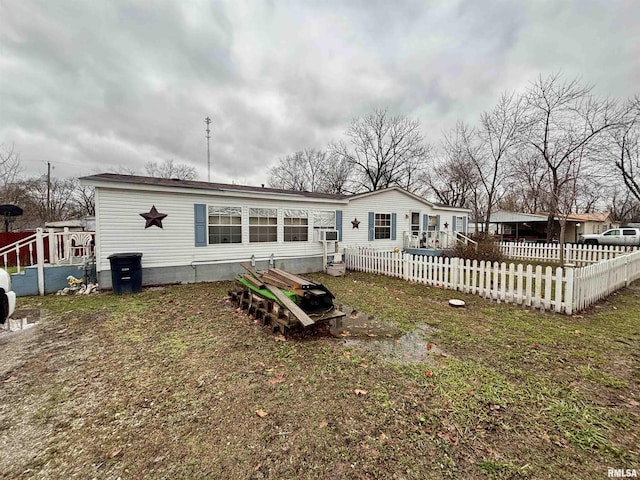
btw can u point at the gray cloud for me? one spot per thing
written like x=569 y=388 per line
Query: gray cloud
x=89 y=86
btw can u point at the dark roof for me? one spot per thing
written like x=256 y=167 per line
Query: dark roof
x=174 y=182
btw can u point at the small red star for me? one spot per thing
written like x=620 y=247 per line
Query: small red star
x=153 y=218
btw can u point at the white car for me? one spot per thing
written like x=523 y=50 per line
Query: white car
x=7 y=297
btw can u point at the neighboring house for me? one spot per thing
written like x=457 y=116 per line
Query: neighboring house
x=587 y=223
x=74 y=225
x=516 y=226
x=192 y=231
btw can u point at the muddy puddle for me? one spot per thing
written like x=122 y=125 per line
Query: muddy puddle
x=21 y=319
x=365 y=331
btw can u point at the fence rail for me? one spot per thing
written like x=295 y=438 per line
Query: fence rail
x=50 y=247
x=576 y=254
x=563 y=290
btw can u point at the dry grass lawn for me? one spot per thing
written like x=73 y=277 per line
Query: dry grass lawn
x=175 y=382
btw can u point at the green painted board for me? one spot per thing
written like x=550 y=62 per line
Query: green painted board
x=266 y=293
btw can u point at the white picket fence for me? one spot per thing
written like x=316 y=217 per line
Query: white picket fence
x=564 y=290
x=576 y=254
x=597 y=281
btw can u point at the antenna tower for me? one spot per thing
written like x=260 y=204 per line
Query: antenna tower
x=208 y=121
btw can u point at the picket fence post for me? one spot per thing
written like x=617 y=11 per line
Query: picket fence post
x=40 y=260
x=568 y=290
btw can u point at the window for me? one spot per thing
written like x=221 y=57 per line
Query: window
x=612 y=232
x=296 y=225
x=263 y=225
x=459 y=224
x=433 y=223
x=382 y=226
x=628 y=232
x=324 y=219
x=225 y=225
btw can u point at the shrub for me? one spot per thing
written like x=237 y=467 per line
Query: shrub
x=486 y=250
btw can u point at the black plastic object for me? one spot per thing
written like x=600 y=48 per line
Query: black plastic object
x=4 y=306
x=126 y=272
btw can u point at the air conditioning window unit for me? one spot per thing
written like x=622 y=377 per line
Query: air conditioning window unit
x=326 y=235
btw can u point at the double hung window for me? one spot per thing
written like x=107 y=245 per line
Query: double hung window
x=296 y=225
x=382 y=226
x=225 y=224
x=263 y=225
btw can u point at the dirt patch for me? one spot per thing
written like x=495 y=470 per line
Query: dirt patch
x=369 y=334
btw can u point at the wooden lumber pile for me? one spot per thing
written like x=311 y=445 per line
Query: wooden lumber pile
x=311 y=297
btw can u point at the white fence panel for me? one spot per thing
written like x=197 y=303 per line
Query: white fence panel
x=562 y=290
x=500 y=282
x=577 y=254
x=597 y=281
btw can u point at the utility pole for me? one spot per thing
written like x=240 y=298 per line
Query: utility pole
x=48 y=191
x=208 y=121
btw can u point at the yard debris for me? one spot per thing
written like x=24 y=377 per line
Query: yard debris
x=359 y=392
x=284 y=300
x=78 y=287
x=454 y=302
x=261 y=413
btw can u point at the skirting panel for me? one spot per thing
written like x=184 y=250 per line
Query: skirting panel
x=212 y=272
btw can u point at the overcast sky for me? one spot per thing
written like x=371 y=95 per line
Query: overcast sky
x=93 y=85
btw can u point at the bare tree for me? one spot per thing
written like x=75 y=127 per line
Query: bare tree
x=10 y=170
x=625 y=147
x=526 y=186
x=564 y=118
x=383 y=151
x=453 y=180
x=300 y=171
x=170 y=169
x=311 y=170
x=83 y=202
x=337 y=175
x=623 y=206
x=34 y=200
x=497 y=137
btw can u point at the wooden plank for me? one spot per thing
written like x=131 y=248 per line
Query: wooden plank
x=294 y=278
x=291 y=306
x=316 y=292
x=251 y=270
x=278 y=282
x=253 y=280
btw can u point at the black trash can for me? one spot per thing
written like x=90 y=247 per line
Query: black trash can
x=126 y=272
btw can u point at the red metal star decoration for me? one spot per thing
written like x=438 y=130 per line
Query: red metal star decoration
x=355 y=222
x=153 y=218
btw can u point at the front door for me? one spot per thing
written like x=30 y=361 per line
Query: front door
x=415 y=224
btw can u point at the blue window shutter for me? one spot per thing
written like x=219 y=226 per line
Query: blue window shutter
x=437 y=223
x=464 y=224
x=339 y=224
x=372 y=220
x=425 y=222
x=393 y=226
x=453 y=224
x=200 y=222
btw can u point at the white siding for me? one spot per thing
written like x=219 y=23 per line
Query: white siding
x=121 y=228
x=390 y=201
